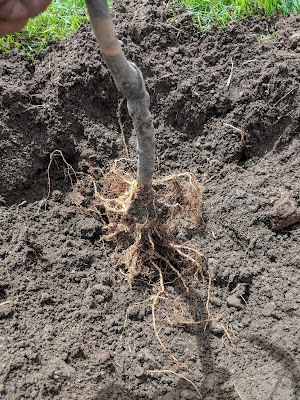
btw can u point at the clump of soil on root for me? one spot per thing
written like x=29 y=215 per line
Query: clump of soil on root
x=143 y=225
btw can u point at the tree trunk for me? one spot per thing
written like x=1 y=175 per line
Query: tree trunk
x=129 y=81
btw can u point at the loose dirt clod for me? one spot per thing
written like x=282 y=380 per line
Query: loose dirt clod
x=283 y=214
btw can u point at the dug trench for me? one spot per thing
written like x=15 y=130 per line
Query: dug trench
x=226 y=109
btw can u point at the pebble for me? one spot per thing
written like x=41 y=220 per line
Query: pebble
x=139 y=372
x=294 y=40
x=283 y=214
x=234 y=301
x=6 y=309
x=174 y=50
x=34 y=394
x=240 y=193
x=253 y=207
x=169 y=331
x=269 y=309
x=216 y=328
x=46 y=299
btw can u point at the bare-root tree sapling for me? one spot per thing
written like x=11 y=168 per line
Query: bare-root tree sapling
x=144 y=215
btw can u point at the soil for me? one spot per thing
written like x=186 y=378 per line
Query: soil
x=226 y=107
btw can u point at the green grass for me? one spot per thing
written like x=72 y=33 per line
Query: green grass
x=61 y=18
x=237 y=391
x=4 y=220
x=220 y=12
x=65 y=16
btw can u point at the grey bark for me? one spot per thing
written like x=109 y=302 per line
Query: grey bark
x=98 y=9
x=129 y=81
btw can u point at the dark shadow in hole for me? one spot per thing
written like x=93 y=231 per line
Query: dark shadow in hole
x=3 y=289
x=265 y=138
x=36 y=185
x=243 y=157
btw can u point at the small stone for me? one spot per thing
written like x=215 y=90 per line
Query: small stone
x=216 y=328
x=234 y=301
x=34 y=394
x=46 y=299
x=174 y=50
x=139 y=372
x=240 y=193
x=6 y=309
x=269 y=309
x=294 y=40
x=169 y=331
x=283 y=214
x=253 y=207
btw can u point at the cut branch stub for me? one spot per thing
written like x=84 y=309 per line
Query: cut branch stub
x=129 y=81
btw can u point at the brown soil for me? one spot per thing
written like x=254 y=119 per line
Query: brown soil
x=63 y=302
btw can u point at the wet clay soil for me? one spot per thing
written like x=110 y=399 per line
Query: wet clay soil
x=70 y=327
